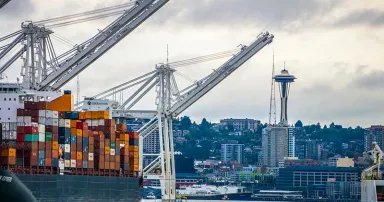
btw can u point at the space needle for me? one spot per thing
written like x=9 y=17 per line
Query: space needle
x=284 y=79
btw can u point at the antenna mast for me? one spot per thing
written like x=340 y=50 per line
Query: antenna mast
x=78 y=90
x=272 y=101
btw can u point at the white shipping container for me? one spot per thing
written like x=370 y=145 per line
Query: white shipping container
x=20 y=119
x=89 y=122
x=55 y=114
x=41 y=128
x=20 y=124
x=67 y=163
x=48 y=114
x=12 y=126
x=61 y=123
x=67 y=123
x=95 y=123
x=90 y=156
x=42 y=113
x=3 y=136
x=12 y=135
x=67 y=148
x=113 y=152
x=7 y=135
x=49 y=122
x=6 y=125
x=27 y=119
x=27 y=124
x=41 y=137
x=55 y=122
x=3 y=127
x=101 y=122
x=73 y=163
x=42 y=120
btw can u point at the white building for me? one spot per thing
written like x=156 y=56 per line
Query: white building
x=292 y=131
x=232 y=152
x=240 y=124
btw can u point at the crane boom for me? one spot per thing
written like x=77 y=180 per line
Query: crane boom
x=100 y=44
x=205 y=85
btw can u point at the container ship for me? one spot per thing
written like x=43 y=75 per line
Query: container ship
x=64 y=155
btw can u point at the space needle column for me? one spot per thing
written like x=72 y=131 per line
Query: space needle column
x=284 y=79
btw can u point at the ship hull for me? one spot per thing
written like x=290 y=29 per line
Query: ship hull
x=63 y=188
x=236 y=196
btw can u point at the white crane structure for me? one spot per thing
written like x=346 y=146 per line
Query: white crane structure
x=44 y=71
x=170 y=102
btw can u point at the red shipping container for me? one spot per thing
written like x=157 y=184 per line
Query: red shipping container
x=79 y=164
x=109 y=122
x=8 y=160
x=20 y=145
x=48 y=161
x=73 y=155
x=35 y=119
x=48 y=145
x=82 y=125
x=35 y=113
x=35 y=145
x=62 y=115
x=27 y=112
x=133 y=135
x=31 y=130
x=20 y=112
x=20 y=129
x=55 y=137
x=48 y=128
x=20 y=138
x=55 y=129
x=91 y=164
x=41 y=146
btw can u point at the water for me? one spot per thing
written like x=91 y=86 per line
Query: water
x=159 y=200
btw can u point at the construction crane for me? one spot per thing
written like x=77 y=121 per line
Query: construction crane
x=272 y=100
x=171 y=102
x=3 y=2
x=372 y=183
x=41 y=74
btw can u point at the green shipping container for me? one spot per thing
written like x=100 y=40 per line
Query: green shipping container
x=48 y=136
x=35 y=138
x=113 y=145
x=28 y=138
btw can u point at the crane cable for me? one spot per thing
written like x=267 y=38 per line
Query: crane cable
x=101 y=13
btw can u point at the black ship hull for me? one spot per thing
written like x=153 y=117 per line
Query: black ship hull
x=63 y=188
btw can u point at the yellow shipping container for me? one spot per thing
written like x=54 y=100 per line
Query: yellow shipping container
x=107 y=150
x=136 y=155
x=79 y=132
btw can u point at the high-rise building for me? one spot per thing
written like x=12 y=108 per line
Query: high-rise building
x=275 y=145
x=308 y=149
x=292 y=131
x=373 y=134
x=232 y=152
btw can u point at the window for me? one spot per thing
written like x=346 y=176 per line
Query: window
x=9 y=118
x=14 y=99
x=5 y=99
x=10 y=99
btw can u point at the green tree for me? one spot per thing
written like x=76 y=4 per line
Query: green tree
x=299 y=124
x=204 y=124
x=185 y=123
x=230 y=128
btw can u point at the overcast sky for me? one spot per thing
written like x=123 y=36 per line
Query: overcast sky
x=333 y=47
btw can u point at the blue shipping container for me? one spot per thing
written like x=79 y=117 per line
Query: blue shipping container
x=73 y=138
x=55 y=162
x=75 y=115
x=62 y=140
x=85 y=141
x=67 y=156
x=85 y=164
x=85 y=148
x=41 y=162
x=41 y=154
x=68 y=115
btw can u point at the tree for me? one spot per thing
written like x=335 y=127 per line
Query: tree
x=325 y=127
x=332 y=125
x=299 y=124
x=204 y=124
x=230 y=128
x=185 y=123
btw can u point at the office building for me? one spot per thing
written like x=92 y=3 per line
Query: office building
x=373 y=134
x=292 y=131
x=308 y=149
x=232 y=152
x=275 y=145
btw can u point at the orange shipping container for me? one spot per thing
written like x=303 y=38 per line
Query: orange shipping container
x=73 y=123
x=79 y=155
x=103 y=114
x=55 y=145
x=79 y=132
x=112 y=165
x=94 y=115
x=55 y=154
x=82 y=115
x=73 y=131
x=63 y=103
x=133 y=148
x=8 y=152
x=88 y=115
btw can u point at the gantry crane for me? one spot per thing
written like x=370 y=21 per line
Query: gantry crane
x=40 y=73
x=170 y=103
x=3 y=2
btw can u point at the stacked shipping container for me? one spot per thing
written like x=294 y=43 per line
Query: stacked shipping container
x=43 y=137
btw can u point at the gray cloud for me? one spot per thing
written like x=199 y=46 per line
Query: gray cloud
x=371 y=81
x=369 y=17
x=288 y=15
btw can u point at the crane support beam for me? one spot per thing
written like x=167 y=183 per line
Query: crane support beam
x=3 y=2
x=203 y=87
x=141 y=114
x=11 y=45
x=101 y=44
x=12 y=60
